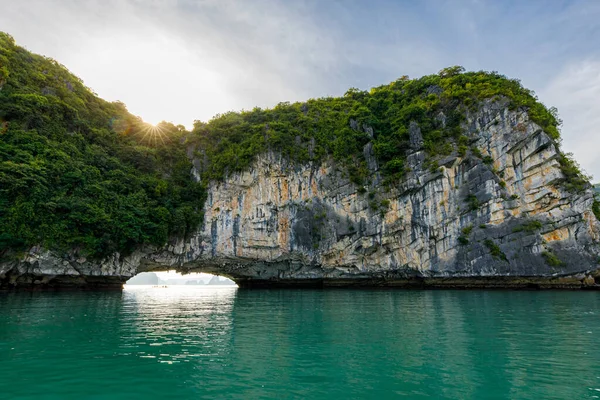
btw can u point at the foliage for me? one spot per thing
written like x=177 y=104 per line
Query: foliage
x=529 y=227
x=467 y=230
x=79 y=172
x=495 y=249
x=596 y=208
x=473 y=202
x=575 y=180
x=552 y=260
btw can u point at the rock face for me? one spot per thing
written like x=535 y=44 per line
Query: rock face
x=498 y=218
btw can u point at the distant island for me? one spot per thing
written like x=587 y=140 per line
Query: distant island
x=145 y=278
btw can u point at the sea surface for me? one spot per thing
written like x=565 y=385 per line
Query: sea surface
x=227 y=343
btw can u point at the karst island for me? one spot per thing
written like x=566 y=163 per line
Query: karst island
x=455 y=179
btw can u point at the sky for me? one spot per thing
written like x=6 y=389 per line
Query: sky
x=164 y=275
x=186 y=60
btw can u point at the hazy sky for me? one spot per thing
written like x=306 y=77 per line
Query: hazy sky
x=182 y=60
x=174 y=275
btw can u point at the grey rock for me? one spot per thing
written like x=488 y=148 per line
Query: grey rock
x=441 y=118
x=355 y=125
x=416 y=138
x=48 y=91
x=434 y=89
x=304 y=108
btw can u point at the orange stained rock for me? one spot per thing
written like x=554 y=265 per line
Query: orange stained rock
x=234 y=204
x=527 y=182
x=593 y=226
x=283 y=233
x=313 y=186
x=556 y=235
x=247 y=206
x=446 y=196
x=284 y=193
x=498 y=216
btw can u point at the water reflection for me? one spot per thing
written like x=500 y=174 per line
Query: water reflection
x=176 y=324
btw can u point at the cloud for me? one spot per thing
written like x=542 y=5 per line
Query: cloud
x=185 y=60
x=179 y=60
x=575 y=91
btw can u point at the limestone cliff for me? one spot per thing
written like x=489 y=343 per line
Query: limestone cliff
x=495 y=216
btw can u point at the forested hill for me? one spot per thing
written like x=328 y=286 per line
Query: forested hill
x=79 y=172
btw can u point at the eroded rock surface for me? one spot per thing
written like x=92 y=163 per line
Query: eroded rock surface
x=499 y=218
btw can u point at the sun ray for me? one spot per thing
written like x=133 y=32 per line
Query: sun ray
x=153 y=135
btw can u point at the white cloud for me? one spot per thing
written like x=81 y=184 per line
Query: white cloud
x=185 y=60
x=576 y=93
x=175 y=60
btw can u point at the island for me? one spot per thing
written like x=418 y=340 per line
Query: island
x=455 y=179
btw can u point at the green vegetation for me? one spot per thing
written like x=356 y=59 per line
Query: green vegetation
x=473 y=202
x=552 y=260
x=341 y=127
x=463 y=240
x=596 y=205
x=575 y=180
x=79 y=172
x=495 y=249
x=529 y=227
x=596 y=208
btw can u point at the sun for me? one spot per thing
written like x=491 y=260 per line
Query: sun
x=153 y=134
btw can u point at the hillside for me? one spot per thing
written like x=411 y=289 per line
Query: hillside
x=457 y=175
x=77 y=172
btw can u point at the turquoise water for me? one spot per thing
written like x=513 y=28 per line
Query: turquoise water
x=199 y=342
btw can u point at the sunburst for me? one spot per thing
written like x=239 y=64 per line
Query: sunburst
x=153 y=133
